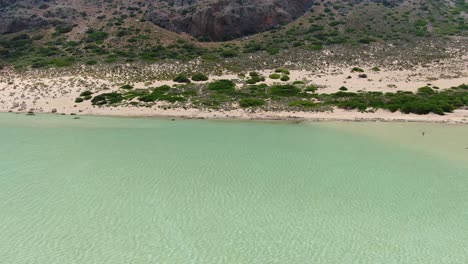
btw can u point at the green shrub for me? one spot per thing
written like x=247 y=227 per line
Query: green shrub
x=305 y=104
x=284 y=90
x=222 y=86
x=63 y=29
x=251 y=102
x=87 y=97
x=316 y=47
x=376 y=69
x=78 y=100
x=127 y=87
x=275 y=76
x=62 y=62
x=199 y=77
x=91 y=62
x=311 y=88
x=229 y=53
x=107 y=98
x=357 y=69
x=342 y=88
x=181 y=79
x=285 y=78
x=86 y=93
x=96 y=36
x=282 y=70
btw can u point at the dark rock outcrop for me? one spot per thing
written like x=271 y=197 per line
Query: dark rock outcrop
x=225 y=19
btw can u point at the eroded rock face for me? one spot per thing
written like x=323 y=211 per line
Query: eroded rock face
x=225 y=19
x=205 y=19
x=19 y=15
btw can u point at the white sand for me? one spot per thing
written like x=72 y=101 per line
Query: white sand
x=24 y=92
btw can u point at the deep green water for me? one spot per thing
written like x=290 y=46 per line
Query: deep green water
x=115 y=190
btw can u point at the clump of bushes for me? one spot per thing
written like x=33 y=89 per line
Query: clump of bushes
x=199 y=77
x=302 y=103
x=357 y=69
x=96 y=36
x=107 y=98
x=86 y=93
x=127 y=87
x=79 y=100
x=284 y=90
x=222 y=86
x=282 y=70
x=275 y=76
x=251 y=102
x=255 y=77
x=376 y=69
x=342 y=88
x=311 y=88
x=425 y=101
x=181 y=79
x=63 y=29
x=161 y=93
x=285 y=78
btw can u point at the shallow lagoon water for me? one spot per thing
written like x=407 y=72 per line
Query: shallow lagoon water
x=127 y=190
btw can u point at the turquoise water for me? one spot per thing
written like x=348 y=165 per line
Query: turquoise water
x=116 y=190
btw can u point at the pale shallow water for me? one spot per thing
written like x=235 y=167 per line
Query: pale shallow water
x=116 y=190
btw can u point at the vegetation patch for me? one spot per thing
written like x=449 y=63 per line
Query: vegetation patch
x=222 y=86
x=181 y=78
x=284 y=90
x=251 y=102
x=199 y=77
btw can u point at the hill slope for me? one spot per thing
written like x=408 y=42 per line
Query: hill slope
x=60 y=32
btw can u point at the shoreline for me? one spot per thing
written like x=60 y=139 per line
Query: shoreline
x=459 y=117
x=55 y=91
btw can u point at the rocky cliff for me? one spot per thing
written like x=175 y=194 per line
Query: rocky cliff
x=225 y=19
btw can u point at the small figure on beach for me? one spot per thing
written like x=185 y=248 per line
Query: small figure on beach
x=423 y=133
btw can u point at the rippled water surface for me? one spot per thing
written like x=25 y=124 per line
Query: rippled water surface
x=116 y=190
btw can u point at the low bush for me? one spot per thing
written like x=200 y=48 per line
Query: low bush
x=222 y=86
x=284 y=90
x=181 y=79
x=127 y=87
x=311 y=88
x=282 y=70
x=305 y=104
x=251 y=102
x=107 y=98
x=357 y=69
x=199 y=77
x=86 y=93
x=275 y=76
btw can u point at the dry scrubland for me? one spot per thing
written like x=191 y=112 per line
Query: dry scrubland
x=382 y=68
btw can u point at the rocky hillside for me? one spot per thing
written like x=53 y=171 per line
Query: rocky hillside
x=205 y=19
x=62 y=32
x=225 y=19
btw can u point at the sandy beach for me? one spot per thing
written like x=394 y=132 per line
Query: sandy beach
x=45 y=92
